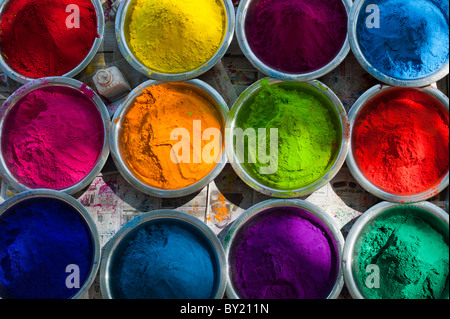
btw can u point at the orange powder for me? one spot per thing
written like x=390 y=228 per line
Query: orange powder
x=145 y=135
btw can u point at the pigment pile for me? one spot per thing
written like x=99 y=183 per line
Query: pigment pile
x=284 y=254
x=52 y=138
x=308 y=134
x=39 y=238
x=412 y=40
x=412 y=256
x=147 y=140
x=165 y=260
x=296 y=36
x=36 y=41
x=176 y=36
x=402 y=143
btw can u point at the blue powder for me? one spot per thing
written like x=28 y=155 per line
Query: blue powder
x=413 y=38
x=165 y=261
x=39 y=238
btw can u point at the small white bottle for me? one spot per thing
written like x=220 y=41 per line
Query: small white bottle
x=111 y=83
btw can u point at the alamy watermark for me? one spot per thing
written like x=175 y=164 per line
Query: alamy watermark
x=373 y=19
x=262 y=146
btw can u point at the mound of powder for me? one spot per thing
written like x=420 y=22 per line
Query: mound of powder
x=412 y=256
x=176 y=36
x=165 y=261
x=286 y=254
x=145 y=136
x=39 y=238
x=36 y=41
x=296 y=36
x=413 y=38
x=402 y=144
x=52 y=138
x=307 y=135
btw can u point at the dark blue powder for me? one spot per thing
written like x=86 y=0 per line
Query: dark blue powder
x=165 y=261
x=412 y=41
x=39 y=238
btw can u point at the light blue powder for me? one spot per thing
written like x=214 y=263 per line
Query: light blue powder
x=413 y=38
x=165 y=261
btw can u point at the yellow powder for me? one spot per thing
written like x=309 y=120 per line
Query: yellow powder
x=145 y=137
x=176 y=36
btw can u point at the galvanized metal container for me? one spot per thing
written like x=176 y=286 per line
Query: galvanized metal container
x=142 y=221
x=338 y=161
x=5 y=68
x=433 y=214
x=356 y=111
x=47 y=82
x=241 y=15
x=232 y=237
x=84 y=215
x=122 y=19
x=115 y=144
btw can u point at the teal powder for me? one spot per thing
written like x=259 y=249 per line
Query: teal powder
x=166 y=261
x=413 y=38
x=412 y=256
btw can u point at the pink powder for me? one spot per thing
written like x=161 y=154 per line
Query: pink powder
x=52 y=138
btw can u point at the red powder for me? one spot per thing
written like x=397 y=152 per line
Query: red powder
x=402 y=144
x=36 y=42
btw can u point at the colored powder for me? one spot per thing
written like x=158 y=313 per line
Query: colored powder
x=176 y=36
x=286 y=254
x=165 y=261
x=146 y=142
x=296 y=36
x=307 y=135
x=36 y=42
x=52 y=138
x=39 y=238
x=402 y=143
x=412 y=40
x=412 y=257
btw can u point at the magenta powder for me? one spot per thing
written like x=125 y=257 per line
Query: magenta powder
x=52 y=138
x=296 y=36
x=284 y=253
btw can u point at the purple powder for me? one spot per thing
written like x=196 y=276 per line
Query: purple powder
x=296 y=36
x=284 y=253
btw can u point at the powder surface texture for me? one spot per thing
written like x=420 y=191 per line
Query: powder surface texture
x=52 y=138
x=285 y=256
x=39 y=238
x=412 y=256
x=147 y=127
x=307 y=136
x=36 y=41
x=165 y=261
x=176 y=36
x=296 y=36
x=413 y=38
x=402 y=145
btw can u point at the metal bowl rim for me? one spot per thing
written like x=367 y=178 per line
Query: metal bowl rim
x=162 y=214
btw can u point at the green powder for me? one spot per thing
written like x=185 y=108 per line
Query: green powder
x=307 y=133
x=412 y=256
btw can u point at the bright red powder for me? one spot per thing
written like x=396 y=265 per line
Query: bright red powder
x=36 y=42
x=402 y=144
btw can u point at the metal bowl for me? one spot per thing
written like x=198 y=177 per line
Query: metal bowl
x=232 y=237
x=433 y=214
x=359 y=108
x=354 y=44
x=342 y=119
x=5 y=68
x=140 y=222
x=122 y=17
x=241 y=15
x=46 y=82
x=196 y=84
x=84 y=215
